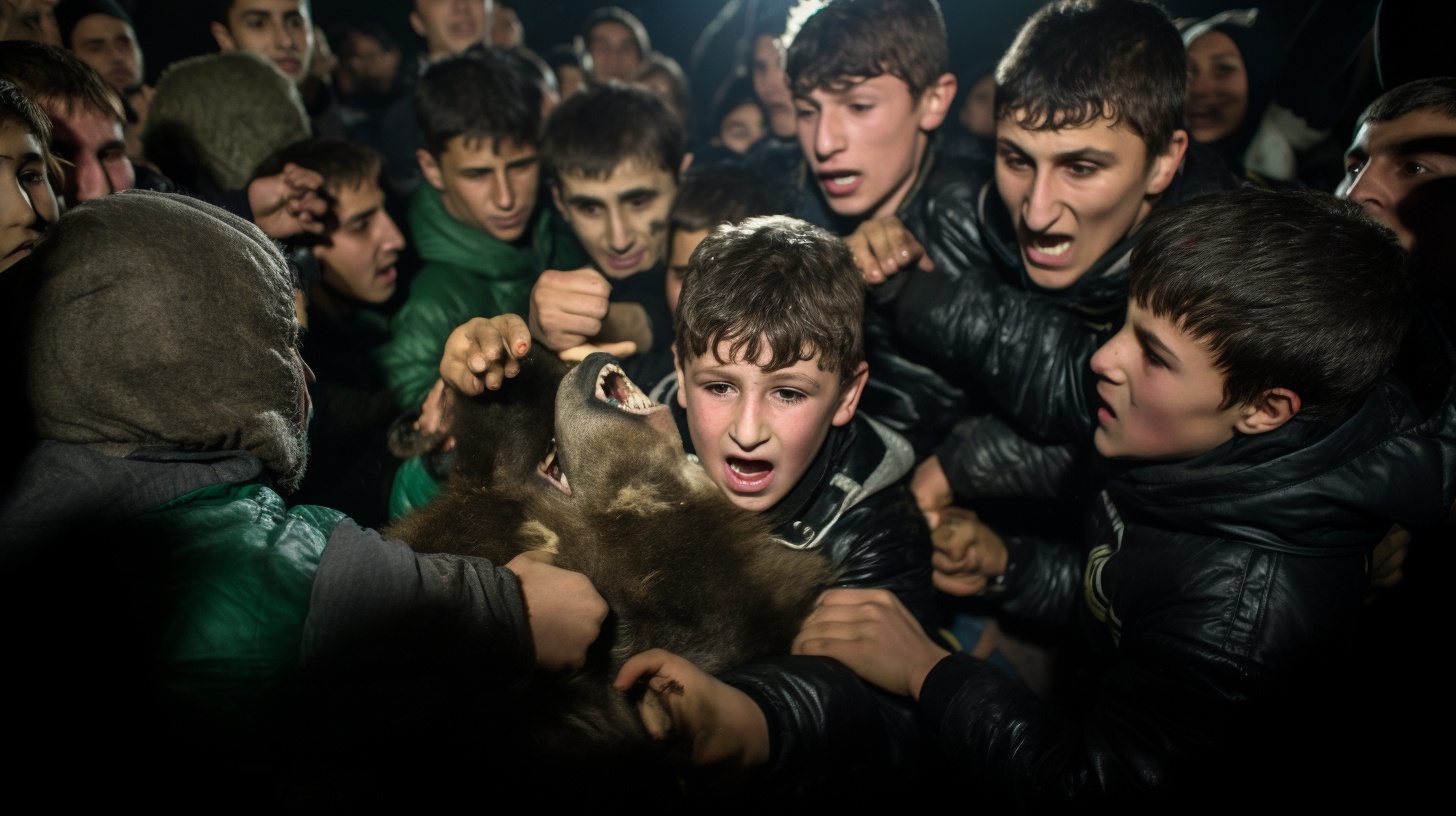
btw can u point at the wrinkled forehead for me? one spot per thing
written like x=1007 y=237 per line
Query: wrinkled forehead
x=1415 y=132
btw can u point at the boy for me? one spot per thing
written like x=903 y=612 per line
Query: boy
x=770 y=361
x=354 y=277
x=615 y=154
x=477 y=221
x=1255 y=455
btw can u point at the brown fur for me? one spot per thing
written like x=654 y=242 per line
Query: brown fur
x=681 y=566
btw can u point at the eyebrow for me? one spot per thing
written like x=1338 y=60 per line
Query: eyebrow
x=1445 y=145
x=1151 y=340
x=638 y=192
x=363 y=216
x=1080 y=154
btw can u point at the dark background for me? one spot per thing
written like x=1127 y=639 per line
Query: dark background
x=979 y=29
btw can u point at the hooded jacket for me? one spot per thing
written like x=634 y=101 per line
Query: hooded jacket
x=467 y=274
x=1204 y=587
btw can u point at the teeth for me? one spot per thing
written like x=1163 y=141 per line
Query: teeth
x=843 y=180
x=1058 y=249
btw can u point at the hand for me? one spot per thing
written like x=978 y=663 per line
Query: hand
x=872 y=633
x=567 y=308
x=883 y=247
x=967 y=552
x=716 y=725
x=432 y=419
x=931 y=488
x=288 y=203
x=1386 y=561
x=564 y=613
x=480 y=354
x=576 y=354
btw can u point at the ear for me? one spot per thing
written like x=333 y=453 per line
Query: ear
x=224 y=37
x=1166 y=164
x=935 y=102
x=1271 y=410
x=849 y=395
x=416 y=22
x=431 y=169
x=682 y=391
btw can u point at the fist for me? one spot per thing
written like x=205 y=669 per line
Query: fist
x=567 y=308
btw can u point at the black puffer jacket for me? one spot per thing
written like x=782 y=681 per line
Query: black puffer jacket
x=919 y=318
x=1207 y=585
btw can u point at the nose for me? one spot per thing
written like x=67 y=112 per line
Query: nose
x=393 y=238
x=828 y=135
x=91 y=179
x=1042 y=208
x=1105 y=360
x=504 y=192
x=283 y=38
x=1370 y=189
x=618 y=234
x=18 y=212
x=1200 y=84
x=747 y=430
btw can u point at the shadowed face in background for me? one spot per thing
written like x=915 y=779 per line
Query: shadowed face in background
x=109 y=45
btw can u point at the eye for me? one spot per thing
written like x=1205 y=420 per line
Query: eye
x=861 y=107
x=32 y=177
x=588 y=210
x=1082 y=169
x=1353 y=167
x=788 y=395
x=718 y=389
x=804 y=113
x=1153 y=359
x=112 y=154
x=1415 y=168
x=1015 y=161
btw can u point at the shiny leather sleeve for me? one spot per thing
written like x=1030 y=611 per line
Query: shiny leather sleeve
x=884 y=543
x=984 y=457
x=1043 y=581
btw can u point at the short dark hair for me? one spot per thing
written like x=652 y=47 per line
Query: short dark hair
x=596 y=130
x=480 y=95
x=1436 y=94
x=343 y=164
x=777 y=281
x=863 y=39
x=720 y=196
x=220 y=9
x=16 y=107
x=622 y=17
x=53 y=76
x=1077 y=61
x=1296 y=290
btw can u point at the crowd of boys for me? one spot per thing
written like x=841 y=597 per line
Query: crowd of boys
x=1118 y=450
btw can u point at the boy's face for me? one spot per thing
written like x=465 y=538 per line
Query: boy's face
x=614 y=52
x=1390 y=169
x=488 y=185
x=741 y=128
x=757 y=431
x=1074 y=193
x=277 y=30
x=683 y=244
x=358 y=256
x=771 y=85
x=448 y=26
x=27 y=204
x=864 y=143
x=1161 y=395
x=94 y=143
x=621 y=220
x=109 y=45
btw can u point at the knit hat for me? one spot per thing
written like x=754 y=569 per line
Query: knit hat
x=71 y=12
x=159 y=320
x=219 y=116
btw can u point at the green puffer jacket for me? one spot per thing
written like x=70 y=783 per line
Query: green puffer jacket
x=467 y=274
x=239 y=576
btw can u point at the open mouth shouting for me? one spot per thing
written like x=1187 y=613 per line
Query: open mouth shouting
x=840 y=182
x=1048 y=249
x=748 y=475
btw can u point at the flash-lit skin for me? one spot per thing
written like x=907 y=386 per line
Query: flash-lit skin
x=95 y=144
x=1218 y=87
x=487 y=185
x=774 y=422
x=27 y=204
x=280 y=31
x=683 y=244
x=1075 y=193
x=449 y=26
x=109 y=45
x=741 y=128
x=614 y=52
x=1388 y=162
x=864 y=143
x=771 y=85
x=979 y=112
x=620 y=220
x=357 y=256
x=1163 y=397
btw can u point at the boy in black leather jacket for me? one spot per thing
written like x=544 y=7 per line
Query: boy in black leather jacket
x=1255 y=451
x=770 y=369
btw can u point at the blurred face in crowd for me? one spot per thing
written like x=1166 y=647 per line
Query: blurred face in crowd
x=1218 y=87
x=488 y=185
x=621 y=219
x=1162 y=396
x=507 y=31
x=29 y=20
x=570 y=78
x=109 y=45
x=614 y=53
x=94 y=142
x=771 y=85
x=756 y=432
x=365 y=65
x=683 y=244
x=27 y=205
x=979 y=112
x=741 y=128
x=1075 y=193
x=864 y=142
x=357 y=257
x=1401 y=172
x=449 y=26
x=280 y=31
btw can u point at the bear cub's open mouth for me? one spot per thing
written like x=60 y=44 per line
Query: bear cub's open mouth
x=614 y=388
